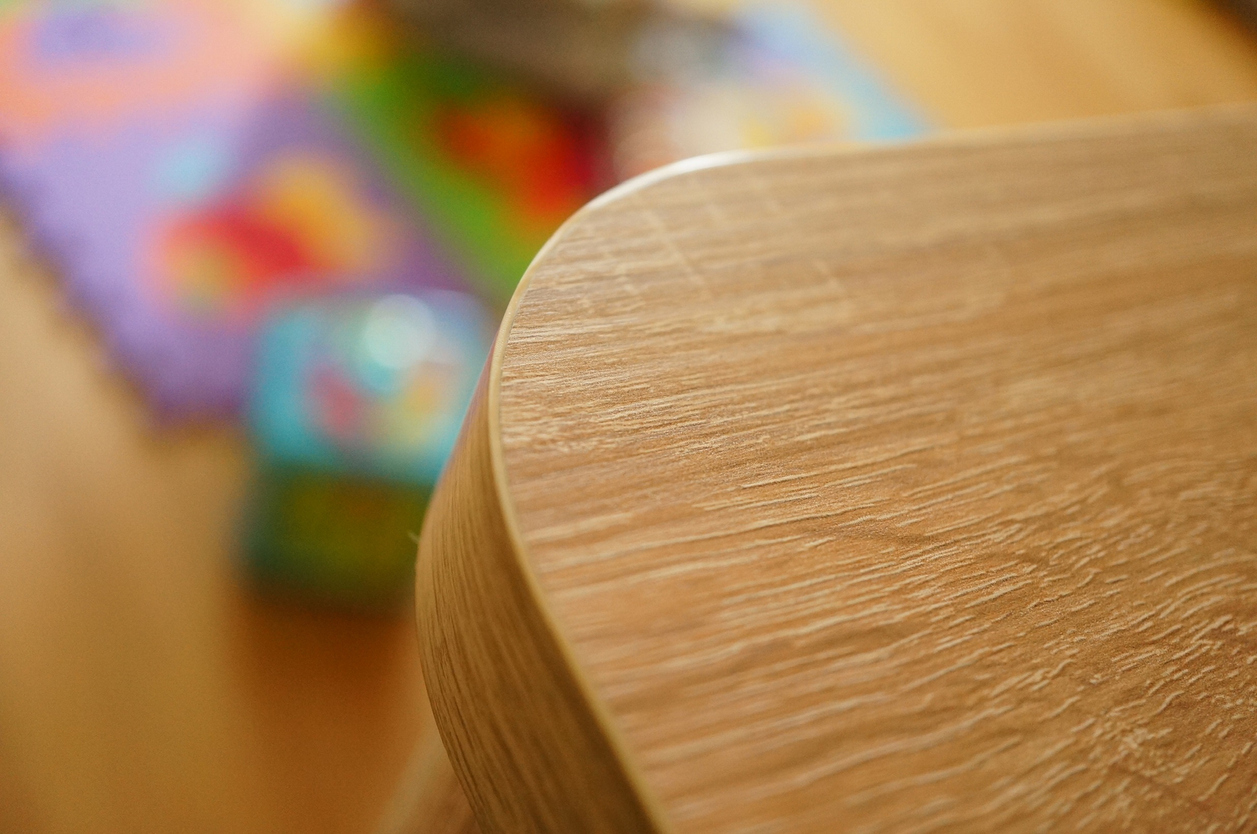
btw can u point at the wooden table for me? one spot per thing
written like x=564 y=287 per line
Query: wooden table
x=881 y=489
x=143 y=689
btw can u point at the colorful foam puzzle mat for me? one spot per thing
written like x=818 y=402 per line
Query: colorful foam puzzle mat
x=188 y=166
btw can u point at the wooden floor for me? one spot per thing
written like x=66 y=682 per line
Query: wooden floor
x=142 y=688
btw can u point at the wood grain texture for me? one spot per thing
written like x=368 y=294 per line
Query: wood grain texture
x=522 y=735
x=898 y=489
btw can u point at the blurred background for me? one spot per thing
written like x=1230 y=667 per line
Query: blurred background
x=252 y=258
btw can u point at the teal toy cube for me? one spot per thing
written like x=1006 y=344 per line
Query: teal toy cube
x=355 y=406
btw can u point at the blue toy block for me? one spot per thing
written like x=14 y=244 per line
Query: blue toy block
x=355 y=406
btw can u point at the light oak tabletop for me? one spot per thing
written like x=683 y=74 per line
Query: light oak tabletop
x=894 y=489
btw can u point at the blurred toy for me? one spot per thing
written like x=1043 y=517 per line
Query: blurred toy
x=179 y=167
x=356 y=404
x=189 y=164
x=494 y=167
x=579 y=50
x=672 y=82
x=775 y=77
